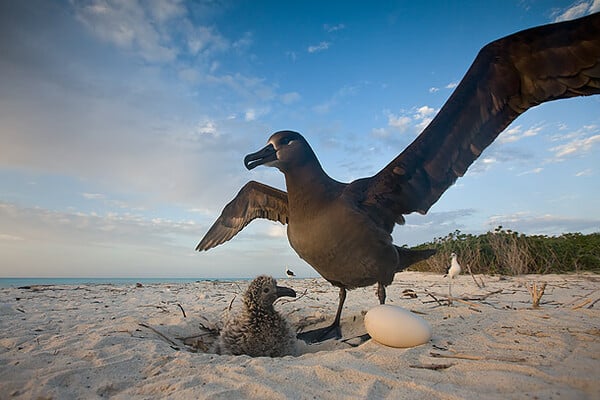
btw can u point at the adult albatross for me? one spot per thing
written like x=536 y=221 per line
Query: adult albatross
x=343 y=230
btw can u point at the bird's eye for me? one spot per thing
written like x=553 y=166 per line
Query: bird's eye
x=286 y=140
x=266 y=290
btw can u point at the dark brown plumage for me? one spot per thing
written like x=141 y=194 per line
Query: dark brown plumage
x=344 y=230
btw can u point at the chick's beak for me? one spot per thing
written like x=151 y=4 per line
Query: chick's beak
x=285 y=291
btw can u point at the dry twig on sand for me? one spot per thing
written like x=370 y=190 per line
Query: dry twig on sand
x=536 y=292
x=433 y=367
x=463 y=356
x=182 y=310
x=174 y=345
x=479 y=285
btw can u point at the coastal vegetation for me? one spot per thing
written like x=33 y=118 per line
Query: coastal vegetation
x=507 y=252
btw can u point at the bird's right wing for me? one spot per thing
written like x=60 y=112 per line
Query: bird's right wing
x=509 y=76
x=254 y=200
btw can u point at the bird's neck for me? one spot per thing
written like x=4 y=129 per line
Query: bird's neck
x=309 y=186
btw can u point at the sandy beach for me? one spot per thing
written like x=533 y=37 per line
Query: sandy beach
x=116 y=341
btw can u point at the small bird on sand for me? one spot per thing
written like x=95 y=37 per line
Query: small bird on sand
x=344 y=230
x=289 y=272
x=258 y=330
x=453 y=270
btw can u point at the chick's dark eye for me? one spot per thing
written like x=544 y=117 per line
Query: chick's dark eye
x=266 y=290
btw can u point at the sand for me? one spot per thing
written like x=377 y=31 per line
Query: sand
x=105 y=341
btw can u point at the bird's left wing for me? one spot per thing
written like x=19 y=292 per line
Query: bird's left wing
x=254 y=200
x=509 y=76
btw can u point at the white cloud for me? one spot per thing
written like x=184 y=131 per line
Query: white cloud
x=277 y=230
x=343 y=92
x=531 y=171
x=424 y=112
x=131 y=26
x=93 y=196
x=250 y=115
x=319 y=47
x=575 y=147
x=417 y=119
x=433 y=89
x=37 y=224
x=205 y=39
x=451 y=85
x=381 y=133
x=577 y=10
x=207 y=127
x=402 y=123
x=10 y=238
x=333 y=28
x=585 y=172
x=546 y=224
x=289 y=98
x=516 y=133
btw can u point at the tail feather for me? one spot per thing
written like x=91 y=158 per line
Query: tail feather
x=407 y=257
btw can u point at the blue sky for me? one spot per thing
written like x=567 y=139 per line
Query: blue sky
x=123 y=125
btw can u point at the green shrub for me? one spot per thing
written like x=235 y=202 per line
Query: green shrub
x=507 y=252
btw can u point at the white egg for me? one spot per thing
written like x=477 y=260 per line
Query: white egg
x=396 y=327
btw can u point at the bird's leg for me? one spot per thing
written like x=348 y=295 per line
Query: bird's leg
x=381 y=293
x=333 y=331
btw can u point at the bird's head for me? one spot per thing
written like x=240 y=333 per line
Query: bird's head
x=453 y=255
x=263 y=291
x=284 y=150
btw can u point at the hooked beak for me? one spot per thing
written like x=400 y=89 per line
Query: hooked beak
x=285 y=291
x=265 y=155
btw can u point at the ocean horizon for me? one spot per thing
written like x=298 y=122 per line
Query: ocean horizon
x=20 y=282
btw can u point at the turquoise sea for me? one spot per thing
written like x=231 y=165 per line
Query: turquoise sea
x=19 y=282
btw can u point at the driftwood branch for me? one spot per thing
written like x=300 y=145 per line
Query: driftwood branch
x=464 y=356
x=433 y=367
x=479 y=285
x=174 y=345
x=182 y=310
x=536 y=292
x=469 y=300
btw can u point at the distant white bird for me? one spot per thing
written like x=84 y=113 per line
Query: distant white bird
x=453 y=270
x=289 y=272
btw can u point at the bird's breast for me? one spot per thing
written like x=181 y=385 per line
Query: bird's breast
x=342 y=244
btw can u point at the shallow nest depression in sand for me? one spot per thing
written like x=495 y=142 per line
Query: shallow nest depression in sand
x=89 y=341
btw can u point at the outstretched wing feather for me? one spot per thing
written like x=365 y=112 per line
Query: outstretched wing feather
x=508 y=77
x=254 y=200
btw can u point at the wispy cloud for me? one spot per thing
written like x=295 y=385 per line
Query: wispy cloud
x=526 y=222
x=416 y=119
x=318 y=47
x=344 y=92
x=576 y=142
x=333 y=28
x=290 y=97
x=10 y=238
x=531 y=171
x=38 y=224
x=450 y=86
x=423 y=228
x=585 y=172
x=130 y=26
x=517 y=133
x=579 y=9
x=93 y=196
